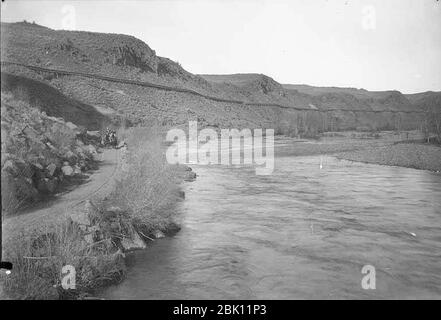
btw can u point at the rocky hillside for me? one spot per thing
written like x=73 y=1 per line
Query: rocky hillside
x=94 y=103
x=361 y=98
x=40 y=154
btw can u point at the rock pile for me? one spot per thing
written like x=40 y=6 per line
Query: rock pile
x=44 y=175
x=113 y=228
x=110 y=226
x=39 y=153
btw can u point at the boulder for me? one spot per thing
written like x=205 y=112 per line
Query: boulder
x=158 y=234
x=121 y=144
x=70 y=156
x=72 y=126
x=134 y=242
x=51 y=168
x=93 y=136
x=38 y=166
x=67 y=171
x=77 y=170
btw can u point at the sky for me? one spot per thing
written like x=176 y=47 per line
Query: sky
x=372 y=44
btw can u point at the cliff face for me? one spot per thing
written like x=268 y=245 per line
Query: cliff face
x=94 y=102
x=37 y=45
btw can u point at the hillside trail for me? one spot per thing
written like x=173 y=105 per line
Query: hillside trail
x=98 y=185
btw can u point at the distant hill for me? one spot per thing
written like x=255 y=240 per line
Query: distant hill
x=293 y=109
x=327 y=97
x=316 y=91
x=426 y=100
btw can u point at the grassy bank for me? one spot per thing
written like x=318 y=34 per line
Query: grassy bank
x=140 y=209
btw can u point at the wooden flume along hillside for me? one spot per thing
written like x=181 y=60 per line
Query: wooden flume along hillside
x=93 y=78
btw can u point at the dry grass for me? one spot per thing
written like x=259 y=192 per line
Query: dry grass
x=149 y=187
x=15 y=195
x=38 y=259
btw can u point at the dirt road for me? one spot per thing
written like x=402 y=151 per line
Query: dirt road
x=99 y=183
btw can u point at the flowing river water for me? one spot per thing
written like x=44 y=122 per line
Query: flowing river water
x=303 y=232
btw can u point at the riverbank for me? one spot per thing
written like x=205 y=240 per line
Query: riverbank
x=95 y=234
x=384 y=148
x=410 y=155
x=326 y=146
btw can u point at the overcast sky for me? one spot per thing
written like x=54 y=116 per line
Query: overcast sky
x=376 y=45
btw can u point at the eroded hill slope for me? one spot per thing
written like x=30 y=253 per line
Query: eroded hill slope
x=95 y=102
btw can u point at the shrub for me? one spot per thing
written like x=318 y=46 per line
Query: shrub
x=39 y=255
x=149 y=187
x=16 y=193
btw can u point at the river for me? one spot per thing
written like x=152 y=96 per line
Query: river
x=304 y=232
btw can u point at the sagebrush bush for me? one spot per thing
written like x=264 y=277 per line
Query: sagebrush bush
x=149 y=186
